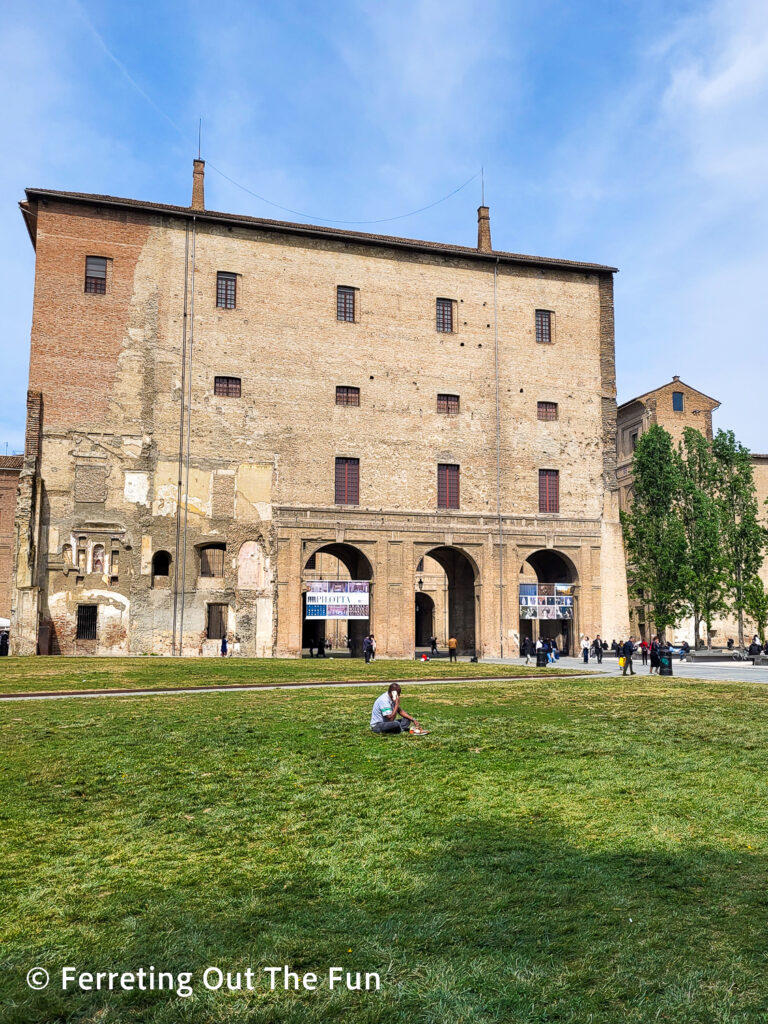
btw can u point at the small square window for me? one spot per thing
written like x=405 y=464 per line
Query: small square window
x=444 y=315
x=448 y=404
x=347 y=396
x=226 y=290
x=227 y=387
x=347 y=481
x=543 y=326
x=311 y=562
x=549 y=490
x=87 y=617
x=345 y=304
x=447 y=486
x=95 y=278
x=212 y=560
x=546 y=410
x=677 y=401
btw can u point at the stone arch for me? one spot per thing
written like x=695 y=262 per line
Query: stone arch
x=425 y=619
x=550 y=566
x=463 y=576
x=359 y=567
x=161 y=567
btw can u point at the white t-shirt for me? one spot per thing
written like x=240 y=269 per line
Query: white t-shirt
x=383 y=706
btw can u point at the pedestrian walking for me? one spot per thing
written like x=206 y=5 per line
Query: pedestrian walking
x=585 y=649
x=224 y=646
x=644 y=651
x=433 y=645
x=627 y=651
x=597 y=648
x=655 y=653
x=367 y=649
x=525 y=649
x=452 y=645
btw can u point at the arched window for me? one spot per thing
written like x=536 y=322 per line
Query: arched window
x=66 y=554
x=97 y=559
x=161 y=564
x=212 y=560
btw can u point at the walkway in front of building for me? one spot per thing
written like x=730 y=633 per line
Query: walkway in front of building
x=722 y=672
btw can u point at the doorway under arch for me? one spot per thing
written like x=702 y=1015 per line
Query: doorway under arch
x=336 y=562
x=462 y=576
x=549 y=567
x=425 y=620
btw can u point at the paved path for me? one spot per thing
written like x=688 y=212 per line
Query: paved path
x=726 y=671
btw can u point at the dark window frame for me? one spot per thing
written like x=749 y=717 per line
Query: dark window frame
x=678 y=401
x=346 y=394
x=448 y=405
x=226 y=290
x=212 y=561
x=547 y=411
x=228 y=387
x=346 y=481
x=87 y=622
x=346 y=303
x=549 y=490
x=95 y=277
x=448 y=485
x=543 y=321
x=312 y=562
x=445 y=319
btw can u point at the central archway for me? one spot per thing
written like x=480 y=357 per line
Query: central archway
x=461 y=574
x=336 y=562
x=548 y=598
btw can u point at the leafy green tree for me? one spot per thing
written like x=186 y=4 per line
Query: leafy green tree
x=653 y=529
x=705 y=563
x=744 y=539
x=756 y=604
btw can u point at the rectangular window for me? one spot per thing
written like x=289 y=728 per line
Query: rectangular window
x=95 y=280
x=546 y=410
x=447 y=486
x=86 y=621
x=226 y=290
x=345 y=304
x=311 y=562
x=212 y=561
x=543 y=326
x=549 y=490
x=677 y=401
x=445 y=316
x=217 y=621
x=347 y=396
x=347 y=481
x=448 y=404
x=633 y=440
x=227 y=387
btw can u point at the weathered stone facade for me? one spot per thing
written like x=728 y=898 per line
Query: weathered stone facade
x=10 y=467
x=142 y=465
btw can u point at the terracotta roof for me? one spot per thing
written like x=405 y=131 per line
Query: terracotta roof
x=670 y=384
x=11 y=461
x=311 y=230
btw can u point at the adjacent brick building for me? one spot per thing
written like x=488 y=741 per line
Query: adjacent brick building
x=10 y=467
x=217 y=400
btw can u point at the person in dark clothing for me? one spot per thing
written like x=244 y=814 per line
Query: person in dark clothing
x=729 y=645
x=526 y=649
x=655 y=655
x=224 y=646
x=433 y=645
x=628 y=650
x=597 y=649
x=321 y=648
x=614 y=646
x=3 y=644
x=644 y=651
x=367 y=649
x=685 y=648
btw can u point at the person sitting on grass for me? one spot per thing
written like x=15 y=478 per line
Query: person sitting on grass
x=388 y=716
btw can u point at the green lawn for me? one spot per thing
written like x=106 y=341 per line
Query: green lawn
x=28 y=675
x=555 y=850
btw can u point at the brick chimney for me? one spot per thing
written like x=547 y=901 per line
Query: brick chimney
x=198 y=185
x=484 y=229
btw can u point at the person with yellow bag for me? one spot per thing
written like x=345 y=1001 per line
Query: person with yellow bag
x=627 y=651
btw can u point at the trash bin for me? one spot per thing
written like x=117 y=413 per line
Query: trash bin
x=541 y=658
x=665 y=659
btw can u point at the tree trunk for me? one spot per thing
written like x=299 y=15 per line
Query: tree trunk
x=696 y=627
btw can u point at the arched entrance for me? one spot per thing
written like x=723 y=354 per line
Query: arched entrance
x=548 y=598
x=425 y=619
x=336 y=563
x=460 y=576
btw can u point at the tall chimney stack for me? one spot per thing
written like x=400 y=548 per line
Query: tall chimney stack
x=484 y=229
x=198 y=185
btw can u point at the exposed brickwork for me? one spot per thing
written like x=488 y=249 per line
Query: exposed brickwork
x=10 y=467
x=261 y=468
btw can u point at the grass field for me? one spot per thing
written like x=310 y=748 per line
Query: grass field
x=27 y=675
x=555 y=850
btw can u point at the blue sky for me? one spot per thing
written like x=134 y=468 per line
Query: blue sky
x=626 y=132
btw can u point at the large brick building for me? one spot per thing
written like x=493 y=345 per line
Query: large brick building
x=215 y=401
x=10 y=467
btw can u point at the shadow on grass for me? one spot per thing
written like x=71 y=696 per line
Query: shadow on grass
x=484 y=921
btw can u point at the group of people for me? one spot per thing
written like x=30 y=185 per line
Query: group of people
x=548 y=644
x=756 y=647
